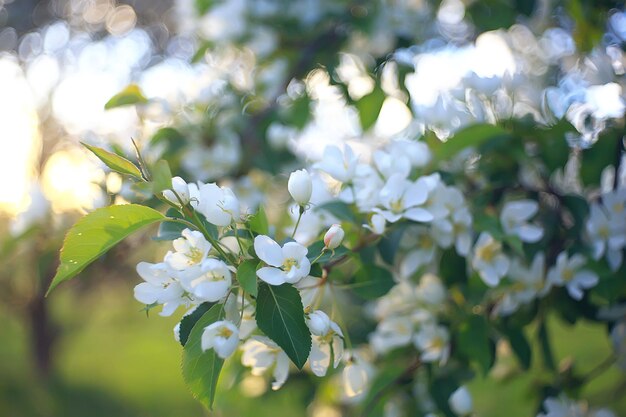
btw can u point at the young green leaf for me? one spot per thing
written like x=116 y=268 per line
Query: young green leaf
x=473 y=341
x=280 y=315
x=258 y=222
x=519 y=344
x=161 y=177
x=369 y=107
x=114 y=161
x=471 y=136
x=201 y=370
x=190 y=320
x=246 y=275
x=130 y=95
x=96 y=233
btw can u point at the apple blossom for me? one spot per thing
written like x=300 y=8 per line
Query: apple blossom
x=221 y=336
x=218 y=204
x=160 y=287
x=189 y=250
x=514 y=217
x=341 y=165
x=402 y=198
x=460 y=401
x=327 y=343
x=286 y=264
x=334 y=236
x=300 y=186
x=209 y=281
x=567 y=271
x=180 y=189
x=528 y=284
x=433 y=342
x=488 y=260
x=262 y=355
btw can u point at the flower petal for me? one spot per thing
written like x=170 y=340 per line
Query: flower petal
x=268 y=250
x=272 y=276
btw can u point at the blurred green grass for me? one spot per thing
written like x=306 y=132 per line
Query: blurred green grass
x=113 y=361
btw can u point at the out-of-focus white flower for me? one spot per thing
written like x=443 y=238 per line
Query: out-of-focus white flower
x=356 y=378
x=514 y=218
x=460 y=401
x=566 y=407
x=218 y=204
x=221 y=336
x=488 y=260
x=417 y=152
x=391 y=333
x=433 y=341
x=287 y=264
x=209 y=281
x=189 y=250
x=300 y=186
x=262 y=355
x=402 y=198
x=422 y=254
x=430 y=290
x=180 y=187
x=376 y=225
x=567 y=271
x=334 y=236
x=528 y=284
x=607 y=236
x=341 y=165
x=160 y=287
x=389 y=164
x=327 y=343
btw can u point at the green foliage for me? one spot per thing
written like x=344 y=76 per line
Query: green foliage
x=316 y=249
x=246 y=276
x=372 y=281
x=473 y=341
x=201 y=370
x=114 y=161
x=474 y=136
x=339 y=209
x=258 y=222
x=170 y=230
x=602 y=154
x=161 y=177
x=96 y=233
x=189 y=321
x=280 y=316
x=520 y=345
x=369 y=107
x=130 y=95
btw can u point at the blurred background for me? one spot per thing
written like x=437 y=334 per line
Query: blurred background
x=90 y=349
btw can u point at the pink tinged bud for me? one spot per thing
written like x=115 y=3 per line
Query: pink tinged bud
x=334 y=236
x=300 y=186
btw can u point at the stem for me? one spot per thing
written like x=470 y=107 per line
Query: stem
x=546 y=348
x=319 y=256
x=142 y=164
x=298 y=222
x=241 y=251
x=598 y=370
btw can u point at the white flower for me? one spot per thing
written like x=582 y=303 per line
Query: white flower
x=488 y=260
x=189 y=250
x=180 y=187
x=339 y=165
x=287 y=264
x=218 y=204
x=221 y=336
x=209 y=281
x=391 y=333
x=423 y=253
x=608 y=236
x=377 y=224
x=417 y=152
x=300 y=186
x=528 y=284
x=402 y=198
x=514 y=218
x=430 y=290
x=327 y=343
x=432 y=340
x=262 y=354
x=356 y=378
x=389 y=164
x=334 y=236
x=318 y=322
x=567 y=272
x=460 y=401
x=160 y=287
x=615 y=204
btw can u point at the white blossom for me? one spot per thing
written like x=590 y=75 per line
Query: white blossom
x=286 y=264
x=209 y=281
x=433 y=342
x=341 y=165
x=401 y=198
x=160 y=287
x=263 y=355
x=218 y=204
x=514 y=218
x=460 y=401
x=528 y=284
x=568 y=272
x=488 y=260
x=180 y=188
x=300 y=186
x=189 y=250
x=327 y=343
x=221 y=336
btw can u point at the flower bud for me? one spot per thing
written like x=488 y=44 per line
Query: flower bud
x=377 y=224
x=319 y=323
x=300 y=186
x=461 y=401
x=180 y=187
x=334 y=236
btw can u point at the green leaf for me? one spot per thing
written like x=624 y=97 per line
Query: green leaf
x=520 y=346
x=369 y=107
x=169 y=230
x=473 y=341
x=161 y=177
x=280 y=315
x=114 y=161
x=385 y=382
x=96 y=233
x=246 y=275
x=471 y=136
x=190 y=320
x=258 y=222
x=372 y=281
x=579 y=210
x=389 y=245
x=603 y=153
x=201 y=370
x=316 y=248
x=340 y=210
x=452 y=267
x=130 y=95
